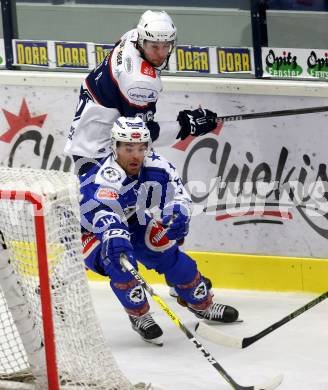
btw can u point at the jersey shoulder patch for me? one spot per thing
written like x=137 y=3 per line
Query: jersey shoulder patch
x=110 y=174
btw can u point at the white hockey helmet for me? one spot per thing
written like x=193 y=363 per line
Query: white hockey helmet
x=156 y=26
x=127 y=129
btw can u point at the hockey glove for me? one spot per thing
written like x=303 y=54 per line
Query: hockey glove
x=176 y=218
x=116 y=242
x=154 y=129
x=197 y=122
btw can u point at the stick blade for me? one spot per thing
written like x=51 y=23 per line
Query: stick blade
x=213 y=334
x=270 y=384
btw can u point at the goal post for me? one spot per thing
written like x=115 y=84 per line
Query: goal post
x=41 y=254
x=50 y=337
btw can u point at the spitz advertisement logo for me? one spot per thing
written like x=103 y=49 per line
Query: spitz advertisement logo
x=318 y=66
x=282 y=66
x=23 y=129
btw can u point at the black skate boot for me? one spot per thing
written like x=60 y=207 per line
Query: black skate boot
x=147 y=328
x=216 y=312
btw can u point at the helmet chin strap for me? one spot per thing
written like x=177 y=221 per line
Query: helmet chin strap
x=165 y=63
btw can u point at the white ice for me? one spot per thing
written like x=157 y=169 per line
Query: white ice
x=298 y=350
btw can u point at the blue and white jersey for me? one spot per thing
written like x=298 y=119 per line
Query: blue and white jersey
x=124 y=84
x=107 y=191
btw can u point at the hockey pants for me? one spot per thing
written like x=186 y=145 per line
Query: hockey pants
x=153 y=249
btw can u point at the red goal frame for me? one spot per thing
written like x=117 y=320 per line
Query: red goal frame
x=46 y=307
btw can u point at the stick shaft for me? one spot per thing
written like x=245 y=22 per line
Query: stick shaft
x=271 y=114
x=252 y=339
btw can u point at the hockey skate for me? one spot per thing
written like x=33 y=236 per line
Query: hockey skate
x=147 y=328
x=216 y=312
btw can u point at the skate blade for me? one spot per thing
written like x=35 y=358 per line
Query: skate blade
x=217 y=323
x=158 y=341
x=173 y=294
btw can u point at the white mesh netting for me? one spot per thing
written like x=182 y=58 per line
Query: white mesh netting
x=83 y=360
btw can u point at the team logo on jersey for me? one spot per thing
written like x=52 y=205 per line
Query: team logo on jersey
x=155 y=237
x=128 y=66
x=143 y=94
x=136 y=295
x=110 y=174
x=106 y=193
x=148 y=70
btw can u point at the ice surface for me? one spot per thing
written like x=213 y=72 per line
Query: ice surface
x=298 y=350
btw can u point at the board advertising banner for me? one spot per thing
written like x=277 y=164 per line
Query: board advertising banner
x=101 y=51
x=236 y=60
x=192 y=59
x=295 y=63
x=88 y=55
x=259 y=186
x=31 y=53
x=71 y=55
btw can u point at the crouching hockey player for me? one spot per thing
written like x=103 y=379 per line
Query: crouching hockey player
x=117 y=194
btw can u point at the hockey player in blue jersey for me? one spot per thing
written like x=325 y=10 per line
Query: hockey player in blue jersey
x=118 y=196
x=128 y=83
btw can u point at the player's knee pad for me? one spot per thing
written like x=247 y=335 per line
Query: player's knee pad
x=195 y=292
x=132 y=296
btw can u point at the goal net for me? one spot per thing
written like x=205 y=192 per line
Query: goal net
x=49 y=334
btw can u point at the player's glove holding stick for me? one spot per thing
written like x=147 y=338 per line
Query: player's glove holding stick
x=175 y=218
x=196 y=122
x=114 y=243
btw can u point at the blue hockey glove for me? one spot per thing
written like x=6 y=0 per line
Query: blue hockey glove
x=196 y=122
x=176 y=218
x=116 y=242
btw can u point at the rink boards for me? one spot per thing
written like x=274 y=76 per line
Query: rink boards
x=283 y=245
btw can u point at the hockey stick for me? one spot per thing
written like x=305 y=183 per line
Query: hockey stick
x=269 y=385
x=219 y=337
x=270 y=114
